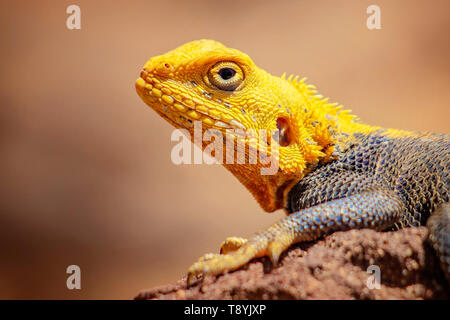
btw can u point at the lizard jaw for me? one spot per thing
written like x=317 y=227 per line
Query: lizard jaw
x=182 y=113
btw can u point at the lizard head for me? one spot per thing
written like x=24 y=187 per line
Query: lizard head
x=223 y=88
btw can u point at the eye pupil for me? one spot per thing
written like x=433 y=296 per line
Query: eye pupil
x=227 y=73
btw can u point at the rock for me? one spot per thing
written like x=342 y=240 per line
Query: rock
x=332 y=268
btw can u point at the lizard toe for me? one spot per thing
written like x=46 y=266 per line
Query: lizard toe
x=232 y=244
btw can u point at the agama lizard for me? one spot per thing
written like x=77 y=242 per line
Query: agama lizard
x=335 y=172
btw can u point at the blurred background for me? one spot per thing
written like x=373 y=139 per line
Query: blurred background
x=85 y=169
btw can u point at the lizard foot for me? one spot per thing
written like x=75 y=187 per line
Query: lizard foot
x=229 y=245
x=236 y=252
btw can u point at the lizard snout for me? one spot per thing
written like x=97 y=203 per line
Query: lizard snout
x=158 y=67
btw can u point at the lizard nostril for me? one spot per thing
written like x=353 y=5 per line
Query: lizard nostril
x=164 y=68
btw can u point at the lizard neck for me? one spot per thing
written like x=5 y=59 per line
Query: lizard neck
x=325 y=130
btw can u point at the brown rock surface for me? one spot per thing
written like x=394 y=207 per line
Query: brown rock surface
x=332 y=268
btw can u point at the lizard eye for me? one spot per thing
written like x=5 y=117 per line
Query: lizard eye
x=285 y=137
x=226 y=76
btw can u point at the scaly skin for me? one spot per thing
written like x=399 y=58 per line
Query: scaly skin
x=335 y=173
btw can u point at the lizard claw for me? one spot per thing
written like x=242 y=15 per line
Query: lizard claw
x=274 y=250
x=191 y=275
x=236 y=252
x=219 y=263
x=214 y=264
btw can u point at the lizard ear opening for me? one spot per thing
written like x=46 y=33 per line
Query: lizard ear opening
x=285 y=132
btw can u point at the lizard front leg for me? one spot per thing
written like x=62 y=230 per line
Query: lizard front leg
x=375 y=208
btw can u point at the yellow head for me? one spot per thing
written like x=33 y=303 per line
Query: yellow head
x=205 y=81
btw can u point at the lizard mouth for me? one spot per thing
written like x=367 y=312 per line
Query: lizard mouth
x=180 y=110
